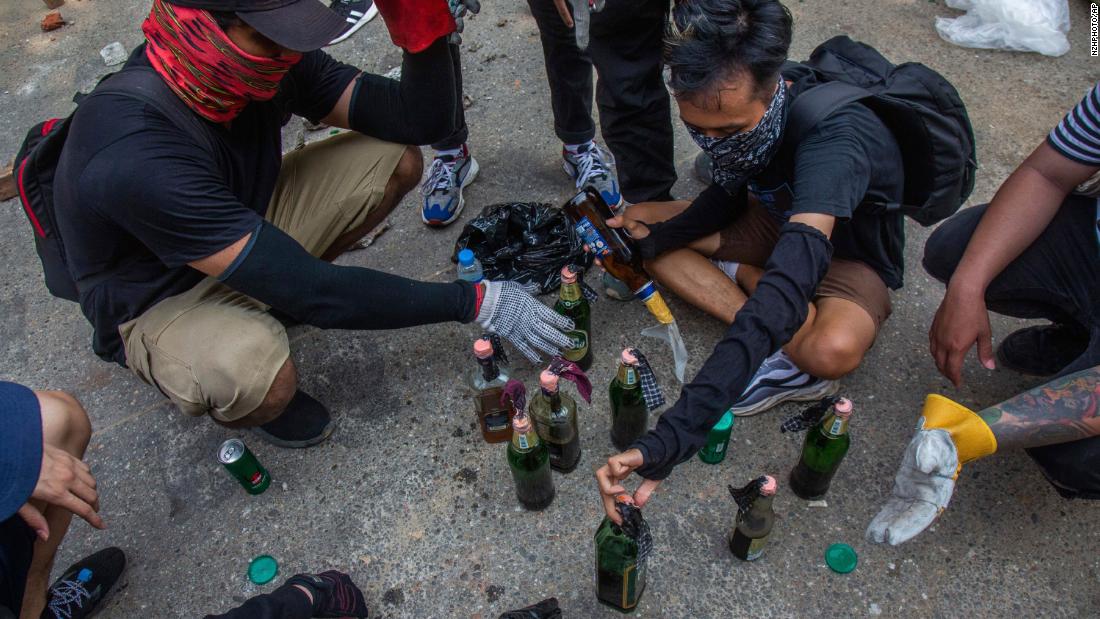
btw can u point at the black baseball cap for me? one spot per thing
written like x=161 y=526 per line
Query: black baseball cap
x=300 y=25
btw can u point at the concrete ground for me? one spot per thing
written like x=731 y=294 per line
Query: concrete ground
x=408 y=499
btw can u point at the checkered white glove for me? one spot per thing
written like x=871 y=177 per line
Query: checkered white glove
x=922 y=488
x=509 y=311
x=460 y=9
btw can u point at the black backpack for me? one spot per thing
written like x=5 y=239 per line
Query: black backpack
x=37 y=159
x=922 y=110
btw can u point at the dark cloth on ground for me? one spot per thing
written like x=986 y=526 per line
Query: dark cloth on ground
x=341 y=297
x=16 y=551
x=286 y=602
x=767 y=321
x=1056 y=278
x=635 y=111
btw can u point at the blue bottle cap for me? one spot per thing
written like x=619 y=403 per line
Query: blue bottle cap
x=466 y=257
x=84 y=575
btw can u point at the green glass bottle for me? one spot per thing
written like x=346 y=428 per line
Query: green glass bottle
x=529 y=460
x=629 y=414
x=572 y=304
x=718 y=440
x=555 y=417
x=621 y=559
x=753 y=525
x=825 y=446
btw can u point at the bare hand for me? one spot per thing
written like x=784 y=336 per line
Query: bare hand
x=636 y=229
x=563 y=9
x=66 y=482
x=611 y=475
x=961 y=321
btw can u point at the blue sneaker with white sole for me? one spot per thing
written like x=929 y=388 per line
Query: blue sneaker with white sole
x=592 y=166
x=779 y=380
x=442 y=190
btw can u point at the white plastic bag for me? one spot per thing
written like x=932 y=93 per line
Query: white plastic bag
x=1018 y=25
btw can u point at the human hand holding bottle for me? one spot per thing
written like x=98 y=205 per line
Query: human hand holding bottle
x=611 y=475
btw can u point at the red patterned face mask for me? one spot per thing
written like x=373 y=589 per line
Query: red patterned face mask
x=204 y=67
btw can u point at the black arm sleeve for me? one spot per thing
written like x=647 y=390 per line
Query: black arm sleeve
x=279 y=272
x=711 y=211
x=418 y=108
x=768 y=320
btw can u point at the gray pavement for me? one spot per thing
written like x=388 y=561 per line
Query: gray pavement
x=408 y=499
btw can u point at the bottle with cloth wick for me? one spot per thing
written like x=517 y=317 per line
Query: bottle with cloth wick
x=634 y=392
x=555 y=413
x=528 y=457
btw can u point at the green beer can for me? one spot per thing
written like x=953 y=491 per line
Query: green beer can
x=718 y=439
x=243 y=465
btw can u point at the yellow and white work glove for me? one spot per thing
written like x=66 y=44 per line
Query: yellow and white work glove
x=948 y=436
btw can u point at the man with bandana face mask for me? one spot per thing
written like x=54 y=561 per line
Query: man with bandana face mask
x=777 y=246
x=187 y=232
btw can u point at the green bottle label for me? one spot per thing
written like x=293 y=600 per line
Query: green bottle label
x=523 y=444
x=579 y=348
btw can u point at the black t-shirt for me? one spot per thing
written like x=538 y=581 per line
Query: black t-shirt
x=138 y=198
x=848 y=158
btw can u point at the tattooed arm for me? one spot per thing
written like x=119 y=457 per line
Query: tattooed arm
x=1063 y=410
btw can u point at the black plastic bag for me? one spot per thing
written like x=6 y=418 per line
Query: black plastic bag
x=525 y=242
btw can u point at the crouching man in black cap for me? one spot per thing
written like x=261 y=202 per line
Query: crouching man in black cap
x=184 y=225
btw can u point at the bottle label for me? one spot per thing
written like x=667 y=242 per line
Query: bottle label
x=579 y=347
x=631 y=376
x=496 y=422
x=756 y=548
x=838 y=427
x=592 y=237
x=523 y=443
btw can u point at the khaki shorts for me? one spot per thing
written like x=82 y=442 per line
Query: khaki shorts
x=213 y=350
x=751 y=239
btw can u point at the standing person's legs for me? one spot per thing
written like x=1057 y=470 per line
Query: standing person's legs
x=212 y=350
x=569 y=73
x=65 y=425
x=453 y=167
x=635 y=111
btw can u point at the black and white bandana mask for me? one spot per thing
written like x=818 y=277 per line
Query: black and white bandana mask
x=741 y=156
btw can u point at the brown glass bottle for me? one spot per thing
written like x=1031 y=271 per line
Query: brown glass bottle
x=493 y=418
x=615 y=249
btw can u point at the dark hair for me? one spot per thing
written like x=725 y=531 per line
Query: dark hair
x=225 y=19
x=708 y=41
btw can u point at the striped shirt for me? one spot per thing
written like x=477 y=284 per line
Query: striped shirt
x=1077 y=137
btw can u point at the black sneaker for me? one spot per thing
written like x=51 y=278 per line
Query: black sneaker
x=304 y=423
x=84 y=585
x=355 y=12
x=1043 y=350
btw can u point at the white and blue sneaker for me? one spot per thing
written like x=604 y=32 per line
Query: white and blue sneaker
x=356 y=14
x=450 y=172
x=591 y=166
x=779 y=380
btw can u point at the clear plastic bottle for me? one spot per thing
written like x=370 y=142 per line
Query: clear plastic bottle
x=469 y=268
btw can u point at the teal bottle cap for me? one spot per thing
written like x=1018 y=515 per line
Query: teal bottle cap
x=725 y=423
x=262 y=569
x=841 y=558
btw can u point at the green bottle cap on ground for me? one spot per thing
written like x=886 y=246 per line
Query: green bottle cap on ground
x=262 y=569
x=725 y=423
x=841 y=558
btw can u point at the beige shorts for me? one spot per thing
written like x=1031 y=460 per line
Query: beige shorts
x=752 y=237
x=214 y=350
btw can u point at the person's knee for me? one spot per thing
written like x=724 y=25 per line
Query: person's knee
x=946 y=245
x=275 y=400
x=407 y=174
x=1072 y=468
x=65 y=423
x=830 y=355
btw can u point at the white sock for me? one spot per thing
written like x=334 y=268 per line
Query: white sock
x=572 y=149
x=728 y=267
